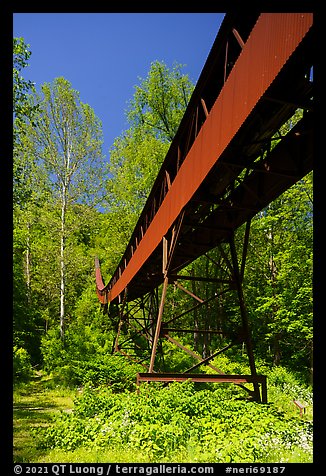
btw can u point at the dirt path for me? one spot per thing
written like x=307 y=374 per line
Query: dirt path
x=34 y=405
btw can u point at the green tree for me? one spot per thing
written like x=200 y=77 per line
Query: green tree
x=23 y=108
x=24 y=112
x=29 y=190
x=154 y=115
x=279 y=276
x=67 y=143
x=160 y=100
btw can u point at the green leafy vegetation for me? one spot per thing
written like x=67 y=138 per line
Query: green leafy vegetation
x=181 y=422
x=22 y=367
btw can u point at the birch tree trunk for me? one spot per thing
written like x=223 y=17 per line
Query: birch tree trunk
x=67 y=141
x=28 y=265
x=62 y=264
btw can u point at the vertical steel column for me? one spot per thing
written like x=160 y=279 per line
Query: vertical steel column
x=244 y=315
x=158 y=324
x=167 y=255
x=116 y=345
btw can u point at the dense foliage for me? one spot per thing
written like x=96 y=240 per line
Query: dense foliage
x=180 y=423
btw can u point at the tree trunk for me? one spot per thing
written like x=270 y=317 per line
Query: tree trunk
x=311 y=364
x=277 y=349
x=62 y=264
x=28 y=265
x=273 y=276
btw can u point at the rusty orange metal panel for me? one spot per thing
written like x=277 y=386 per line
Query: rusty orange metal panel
x=98 y=276
x=100 y=286
x=273 y=39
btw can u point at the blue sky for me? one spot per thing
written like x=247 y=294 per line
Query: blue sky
x=104 y=54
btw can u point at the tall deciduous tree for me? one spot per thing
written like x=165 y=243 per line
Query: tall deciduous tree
x=29 y=189
x=154 y=115
x=279 y=276
x=24 y=112
x=23 y=108
x=67 y=142
x=160 y=100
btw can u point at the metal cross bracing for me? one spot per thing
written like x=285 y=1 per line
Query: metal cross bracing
x=142 y=331
x=228 y=160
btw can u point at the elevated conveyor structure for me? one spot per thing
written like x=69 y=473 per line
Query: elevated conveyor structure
x=221 y=169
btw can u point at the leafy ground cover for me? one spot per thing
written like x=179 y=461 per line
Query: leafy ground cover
x=181 y=422
x=35 y=403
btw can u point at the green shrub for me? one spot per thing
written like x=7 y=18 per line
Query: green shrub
x=22 y=367
x=161 y=422
x=53 y=353
x=114 y=371
x=85 y=359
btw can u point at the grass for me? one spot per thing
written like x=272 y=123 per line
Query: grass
x=34 y=405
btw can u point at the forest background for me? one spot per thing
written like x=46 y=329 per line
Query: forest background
x=71 y=204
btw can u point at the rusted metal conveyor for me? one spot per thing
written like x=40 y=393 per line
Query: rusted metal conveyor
x=220 y=171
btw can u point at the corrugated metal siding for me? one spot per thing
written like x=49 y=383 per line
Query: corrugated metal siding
x=270 y=44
